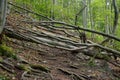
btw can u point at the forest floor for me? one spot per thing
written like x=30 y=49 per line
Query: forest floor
x=62 y=65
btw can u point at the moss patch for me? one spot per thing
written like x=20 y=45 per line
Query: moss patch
x=7 y=51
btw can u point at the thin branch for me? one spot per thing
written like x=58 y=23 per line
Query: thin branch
x=78 y=28
x=76 y=16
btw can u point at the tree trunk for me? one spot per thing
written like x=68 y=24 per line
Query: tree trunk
x=3 y=8
x=116 y=15
x=85 y=15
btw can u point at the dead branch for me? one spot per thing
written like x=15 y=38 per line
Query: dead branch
x=65 y=46
x=38 y=40
x=76 y=16
x=45 y=34
x=62 y=29
x=78 y=28
x=101 y=57
x=109 y=50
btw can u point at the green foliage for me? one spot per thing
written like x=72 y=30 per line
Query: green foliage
x=23 y=67
x=92 y=62
x=100 y=13
x=104 y=56
x=2 y=77
x=65 y=10
x=116 y=43
x=40 y=67
x=7 y=51
x=62 y=10
x=98 y=38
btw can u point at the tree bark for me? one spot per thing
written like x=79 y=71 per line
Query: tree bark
x=116 y=15
x=78 y=28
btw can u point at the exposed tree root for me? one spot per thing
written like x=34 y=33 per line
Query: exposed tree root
x=78 y=28
x=87 y=49
x=58 y=35
x=6 y=68
x=30 y=70
x=74 y=75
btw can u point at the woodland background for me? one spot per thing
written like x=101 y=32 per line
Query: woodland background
x=61 y=40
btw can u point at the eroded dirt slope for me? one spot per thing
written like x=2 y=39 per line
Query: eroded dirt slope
x=62 y=65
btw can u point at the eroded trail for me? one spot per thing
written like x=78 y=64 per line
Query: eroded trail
x=43 y=62
x=65 y=66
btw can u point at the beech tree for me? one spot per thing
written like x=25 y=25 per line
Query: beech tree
x=3 y=8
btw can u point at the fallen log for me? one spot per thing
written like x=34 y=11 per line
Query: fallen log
x=77 y=28
x=56 y=44
x=20 y=36
x=49 y=35
x=79 y=47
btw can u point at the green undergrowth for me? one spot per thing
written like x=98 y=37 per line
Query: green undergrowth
x=7 y=51
x=2 y=77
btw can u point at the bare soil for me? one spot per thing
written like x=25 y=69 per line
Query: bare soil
x=63 y=65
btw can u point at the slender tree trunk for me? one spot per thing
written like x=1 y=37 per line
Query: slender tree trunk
x=85 y=15
x=116 y=15
x=111 y=19
x=53 y=9
x=107 y=16
x=78 y=14
x=3 y=8
x=115 y=22
x=91 y=19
